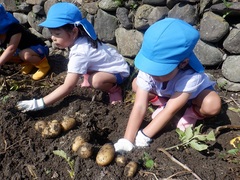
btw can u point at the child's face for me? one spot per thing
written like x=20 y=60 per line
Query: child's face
x=172 y=74
x=167 y=77
x=61 y=38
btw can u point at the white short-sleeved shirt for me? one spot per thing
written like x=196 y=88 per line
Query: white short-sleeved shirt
x=185 y=81
x=83 y=58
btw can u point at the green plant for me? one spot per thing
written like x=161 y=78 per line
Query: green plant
x=119 y=2
x=147 y=161
x=4 y=98
x=233 y=155
x=221 y=85
x=193 y=138
x=70 y=162
x=237 y=110
x=227 y=5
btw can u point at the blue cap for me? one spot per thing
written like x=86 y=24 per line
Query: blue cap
x=64 y=13
x=7 y=19
x=166 y=43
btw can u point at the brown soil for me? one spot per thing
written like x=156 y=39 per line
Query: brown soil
x=24 y=154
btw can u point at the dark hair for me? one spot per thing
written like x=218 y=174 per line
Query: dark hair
x=82 y=32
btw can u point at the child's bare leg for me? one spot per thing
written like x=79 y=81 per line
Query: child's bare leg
x=107 y=82
x=207 y=104
x=32 y=59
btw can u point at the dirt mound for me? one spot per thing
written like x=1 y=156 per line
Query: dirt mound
x=25 y=154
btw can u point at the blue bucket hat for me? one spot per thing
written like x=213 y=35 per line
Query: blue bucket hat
x=166 y=43
x=7 y=19
x=64 y=13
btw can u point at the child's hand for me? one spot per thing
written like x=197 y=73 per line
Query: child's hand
x=123 y=145
x=142 y=140
x=30 y=105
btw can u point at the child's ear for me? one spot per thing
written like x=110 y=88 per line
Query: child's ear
x=184 y=63
x=75 y=31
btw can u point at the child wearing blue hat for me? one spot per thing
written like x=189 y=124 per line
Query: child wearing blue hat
x=102 y=66
x=17 y=41
x=170 y=77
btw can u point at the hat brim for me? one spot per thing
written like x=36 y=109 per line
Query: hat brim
x=159 y=69
x=88 y=27
x=52 y=24
x=151 y=67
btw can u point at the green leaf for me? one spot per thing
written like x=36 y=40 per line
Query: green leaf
x=149 y=164
x=60 y=153
x=201 y=137
x=181 y=133
x=188 y=134
x=237 y=110
x=198 y=146
x=211 y=136
x=233 y=151
x=197 y=129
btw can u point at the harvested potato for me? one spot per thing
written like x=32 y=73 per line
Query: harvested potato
x=121 y=160
x=78 y=141
x=40 y=125
x=68 y=123
x=52 y=129
x=85 y=150
x=130 y=169
x=105 y=155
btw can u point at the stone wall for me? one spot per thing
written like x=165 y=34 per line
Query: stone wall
x=122 y=23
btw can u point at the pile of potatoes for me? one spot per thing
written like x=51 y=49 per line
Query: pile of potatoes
x=83 y=148
x=105 y=155
x=53 y=128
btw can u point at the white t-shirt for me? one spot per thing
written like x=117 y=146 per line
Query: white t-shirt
x=83 y=58
x=185 y=81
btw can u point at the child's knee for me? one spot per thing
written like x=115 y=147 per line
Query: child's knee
x=212 y=106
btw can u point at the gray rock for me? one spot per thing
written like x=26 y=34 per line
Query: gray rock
x=146 y=15
x=34 y=21
x=109 y=5
x=122 y=15
x=208 y=54
x=21 y=17
x=37 y=9
x=213 y=27
x=141 y=17
x=24 y=7
x=154 y=2
x=231 y=68
x=46 y=33
x=35 y=2
x=232 y=42
x=91 y=7
x=9 y=5
x=48 y=4
x=232 y=10
x=128 y=41
x=228 y=85
x=185 y=12
x=103 y=20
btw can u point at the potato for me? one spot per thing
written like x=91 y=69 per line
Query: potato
x=78 y=141
x=52 y=130
x=68 y=123
x=121 y=160
x=130 y=169
x=40 y=125
x=105 y=155
x=85 y=150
